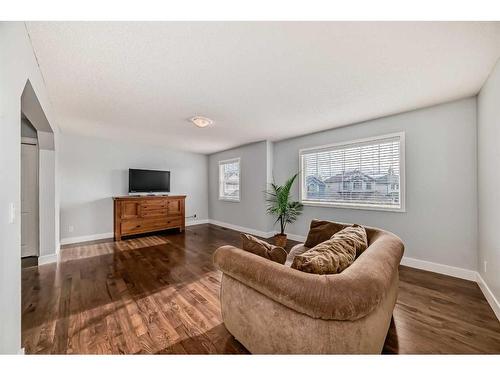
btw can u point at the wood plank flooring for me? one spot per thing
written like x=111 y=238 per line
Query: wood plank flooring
x=159 y=294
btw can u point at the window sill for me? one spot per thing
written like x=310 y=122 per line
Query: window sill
x=354 y=206
x=229 y=200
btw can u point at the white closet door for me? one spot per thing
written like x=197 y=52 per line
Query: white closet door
x=29 y=200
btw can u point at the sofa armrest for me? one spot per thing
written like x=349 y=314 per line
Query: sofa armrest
x=349 y=295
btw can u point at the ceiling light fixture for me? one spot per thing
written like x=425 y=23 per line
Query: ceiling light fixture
x=201 y=121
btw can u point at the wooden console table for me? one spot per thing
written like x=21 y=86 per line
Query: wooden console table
x=144 y=214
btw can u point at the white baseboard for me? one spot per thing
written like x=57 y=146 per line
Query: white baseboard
x=461 y=273
x=46 y=259
x=196 y=222
x=91 y=237
x=296 y=237
x=488 y=294
x=102 y=236
x=254 y=232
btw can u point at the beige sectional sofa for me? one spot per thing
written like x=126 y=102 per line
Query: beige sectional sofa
x=272 y=308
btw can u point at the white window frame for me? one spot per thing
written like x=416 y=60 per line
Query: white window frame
x=358 y=206
x=225 y=198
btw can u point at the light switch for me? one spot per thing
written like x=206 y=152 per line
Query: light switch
x=12 y=213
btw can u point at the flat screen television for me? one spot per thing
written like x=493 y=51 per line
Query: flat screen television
x=148 y=181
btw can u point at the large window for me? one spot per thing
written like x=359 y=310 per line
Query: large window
x=229 y=180
x=367 y=173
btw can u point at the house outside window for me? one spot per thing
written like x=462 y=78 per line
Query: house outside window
x=362 y=174
x=229 y=180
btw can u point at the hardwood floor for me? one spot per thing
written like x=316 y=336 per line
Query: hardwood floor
x=159 y=294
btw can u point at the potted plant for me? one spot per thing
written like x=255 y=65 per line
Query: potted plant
x=279 y=204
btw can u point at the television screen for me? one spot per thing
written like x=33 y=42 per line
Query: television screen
x=148 y=181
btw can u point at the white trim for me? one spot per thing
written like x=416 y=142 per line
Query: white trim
x=196 y=222
x=46 y=259
x=254 y=232
x=444 y=269
x=229 y=161
x=359 y=140
x=110 y=235
x=91 y=237
x=488 y=294
x=236 y=200
x=402 y=175
x=224 y=198
x=296 y=237
x=360 y=206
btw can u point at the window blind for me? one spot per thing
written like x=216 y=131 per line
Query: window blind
x=363 y=173
x=229 y=180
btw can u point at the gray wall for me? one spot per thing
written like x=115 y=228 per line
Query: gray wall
x=440 y=222
x=489 y=180
x=27 y=130
x=17 y=65
x=92 y=170
x=250 y=211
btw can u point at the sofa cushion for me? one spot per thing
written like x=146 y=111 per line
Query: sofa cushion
x=294 y=251
x=333 y=255
x=263 y=249
x=320 y=231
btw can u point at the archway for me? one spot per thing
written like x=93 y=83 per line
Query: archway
x=32 y=111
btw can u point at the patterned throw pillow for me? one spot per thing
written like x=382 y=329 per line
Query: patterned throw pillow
x=333 y=255
x=263 y=249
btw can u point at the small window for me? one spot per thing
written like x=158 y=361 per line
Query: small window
x=365 y=174
x=229 y=180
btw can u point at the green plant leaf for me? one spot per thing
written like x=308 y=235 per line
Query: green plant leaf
x=279 y=203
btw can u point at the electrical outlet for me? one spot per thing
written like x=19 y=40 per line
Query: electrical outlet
x=71 y=228
x=485 y=266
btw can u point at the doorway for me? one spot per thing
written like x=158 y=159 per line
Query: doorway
x=30 y=243
x=39 y=193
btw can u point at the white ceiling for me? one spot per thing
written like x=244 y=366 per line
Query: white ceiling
x=141 y=81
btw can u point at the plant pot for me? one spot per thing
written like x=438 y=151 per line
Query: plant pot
x=280 y=240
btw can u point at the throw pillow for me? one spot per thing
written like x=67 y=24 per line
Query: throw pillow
x=263 y=249
x=333 y=255
x=320 y=231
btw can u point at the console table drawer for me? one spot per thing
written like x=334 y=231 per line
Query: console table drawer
x=154 y=205
x=153 y=213
x=147 y=225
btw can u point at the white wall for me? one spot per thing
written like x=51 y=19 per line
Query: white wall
x=250 y=211
x=17 y=65
x=93 y=170
x=440 y=222
x=489 y=180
